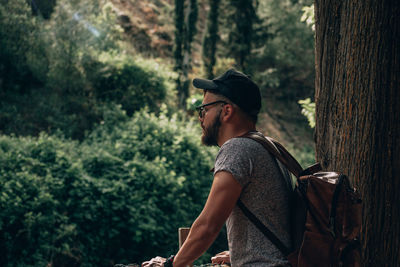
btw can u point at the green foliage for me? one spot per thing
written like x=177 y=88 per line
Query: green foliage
x=194 y=101
x=222 y=64
x=23 y=66
x=240 y=20
x=308 y=110
x=58 y=74
x=43 y=8
x=119 y=196
x=130 y=83
x=308 y=16
x=122 y=192
x=21 y=53
x=76 y=32
x=304 y=154
x=286 y=57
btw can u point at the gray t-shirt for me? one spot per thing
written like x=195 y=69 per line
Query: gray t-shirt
x=265 y=192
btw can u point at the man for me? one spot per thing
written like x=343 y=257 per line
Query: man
x=243 y=169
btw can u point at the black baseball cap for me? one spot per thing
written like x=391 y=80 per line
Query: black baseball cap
x=235 y=86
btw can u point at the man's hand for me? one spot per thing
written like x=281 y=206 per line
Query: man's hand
x=154 y=262
x=221 y=258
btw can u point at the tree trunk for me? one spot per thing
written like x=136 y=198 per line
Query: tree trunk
x=178 y=50
x=358 y=110
x=185 y=30
x=241 y=30
x=210 y=39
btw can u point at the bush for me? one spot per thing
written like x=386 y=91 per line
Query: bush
x=285 y=62
x=57 y=74
x=128 y=82
x=305 y=154
x=119 y=196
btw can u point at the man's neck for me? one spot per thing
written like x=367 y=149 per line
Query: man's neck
x=227 y=134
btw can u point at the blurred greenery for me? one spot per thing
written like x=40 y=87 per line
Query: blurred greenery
x=308 y=107
x=308 y=110
x=118 y=196
x=61 y=73
x=98 y=163
x=285 y=57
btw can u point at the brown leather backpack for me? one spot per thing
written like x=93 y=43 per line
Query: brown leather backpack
x=326 y=214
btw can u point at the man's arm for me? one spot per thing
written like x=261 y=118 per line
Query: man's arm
x=223 y=196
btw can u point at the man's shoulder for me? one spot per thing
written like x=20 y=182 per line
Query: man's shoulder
x=239 y=148
x=244 y=148
x=241 y=142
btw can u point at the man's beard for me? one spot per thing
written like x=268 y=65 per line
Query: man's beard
x=210 y=134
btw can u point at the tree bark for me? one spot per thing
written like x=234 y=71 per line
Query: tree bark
x=358 y=110
x=185 y=30
x=241 y=34
x=210 y=39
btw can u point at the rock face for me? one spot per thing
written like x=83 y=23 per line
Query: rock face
x=148 y=25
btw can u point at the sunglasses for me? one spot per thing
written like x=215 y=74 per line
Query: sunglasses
x=202 y=111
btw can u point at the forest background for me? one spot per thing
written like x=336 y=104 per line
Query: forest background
x=100 y=154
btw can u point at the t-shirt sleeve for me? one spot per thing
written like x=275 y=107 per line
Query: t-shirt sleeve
x=235 y=157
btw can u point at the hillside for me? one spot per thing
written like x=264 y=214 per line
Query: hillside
x=149 y=28
x=148 y=25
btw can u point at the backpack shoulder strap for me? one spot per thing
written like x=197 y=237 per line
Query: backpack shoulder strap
x=270 y=235
x=276 y=149
x=291 y=164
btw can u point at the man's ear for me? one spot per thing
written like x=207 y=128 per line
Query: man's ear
x=227 y=112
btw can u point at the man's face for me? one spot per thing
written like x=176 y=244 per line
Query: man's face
x=210 y=122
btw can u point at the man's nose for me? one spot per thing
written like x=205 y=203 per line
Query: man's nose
x=201 y=119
